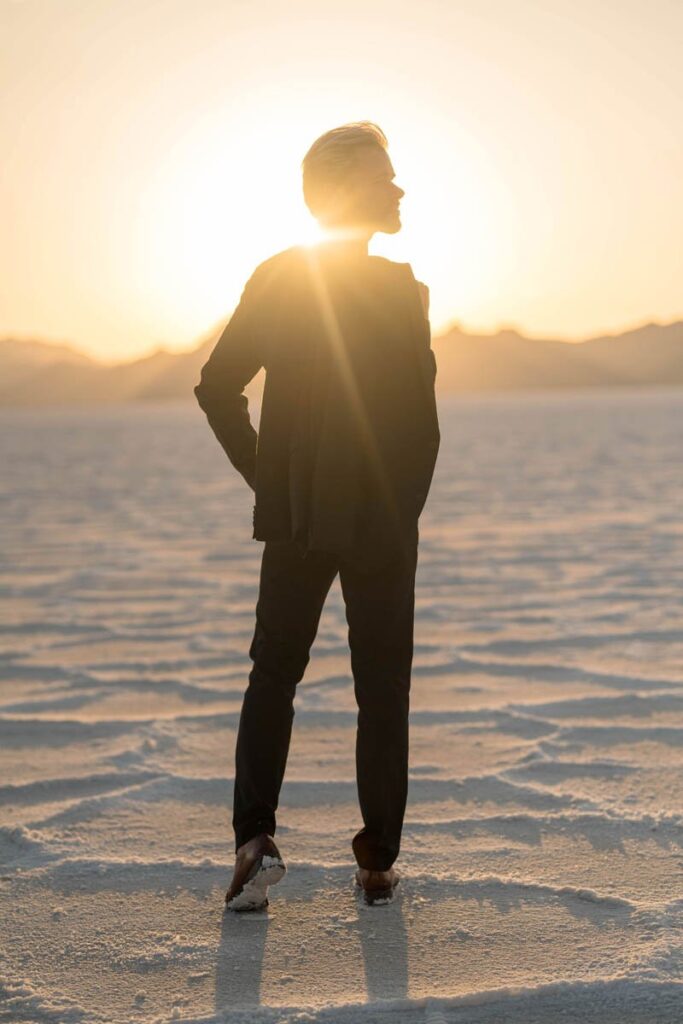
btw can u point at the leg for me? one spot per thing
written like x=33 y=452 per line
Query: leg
x=380 y=606
x=292 y=592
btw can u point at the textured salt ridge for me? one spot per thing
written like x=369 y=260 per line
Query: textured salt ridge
x=305 y=792
x=22 y=731
x=22 y=1001
x=331 y=874
x=609 y=1001
x=302 y=794
x=64 y=789
x=602 y=1002
x=119 y=789
x=98 y=674
x=109 y=873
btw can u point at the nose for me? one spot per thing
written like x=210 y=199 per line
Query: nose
x=400 y=192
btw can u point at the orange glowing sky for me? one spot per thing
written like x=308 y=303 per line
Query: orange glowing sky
x=151 y=157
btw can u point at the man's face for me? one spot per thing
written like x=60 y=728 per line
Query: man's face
x=369 y=197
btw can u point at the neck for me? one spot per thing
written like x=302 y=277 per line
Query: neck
x=351 y=242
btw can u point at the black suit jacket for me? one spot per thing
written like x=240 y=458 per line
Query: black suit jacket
x=349 y=434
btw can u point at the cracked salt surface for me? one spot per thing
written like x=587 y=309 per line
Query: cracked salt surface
x=542 y=855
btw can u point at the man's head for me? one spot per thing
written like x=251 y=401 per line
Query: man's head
x=348 y=180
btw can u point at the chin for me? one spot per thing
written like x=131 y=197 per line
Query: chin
x=391 y=227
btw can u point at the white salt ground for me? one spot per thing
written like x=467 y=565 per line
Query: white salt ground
x=542 y=856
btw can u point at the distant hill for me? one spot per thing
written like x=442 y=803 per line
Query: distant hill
x=43 y=374
x=21 y=360
x=651 y=354
x=35 y=373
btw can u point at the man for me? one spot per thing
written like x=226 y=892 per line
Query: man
x=341 y=468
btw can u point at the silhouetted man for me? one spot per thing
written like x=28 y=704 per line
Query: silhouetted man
x=341 y=468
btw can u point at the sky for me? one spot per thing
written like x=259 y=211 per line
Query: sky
x=152 y=158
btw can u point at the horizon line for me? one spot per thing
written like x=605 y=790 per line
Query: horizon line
x=449 y=326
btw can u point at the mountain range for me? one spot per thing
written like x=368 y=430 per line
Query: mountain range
x=37 y=373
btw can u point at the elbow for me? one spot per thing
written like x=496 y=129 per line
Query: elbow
x=200 y=395
x=203 y=390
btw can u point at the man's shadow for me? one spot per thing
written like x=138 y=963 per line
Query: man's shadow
x=379 y=932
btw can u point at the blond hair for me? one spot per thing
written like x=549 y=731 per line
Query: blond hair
x=330 y=158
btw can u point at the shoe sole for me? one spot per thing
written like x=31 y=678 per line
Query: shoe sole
x=265 y=871
x=377 y=897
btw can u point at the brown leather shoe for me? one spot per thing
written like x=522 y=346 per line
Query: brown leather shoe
x=377 y=886
x=258 y=864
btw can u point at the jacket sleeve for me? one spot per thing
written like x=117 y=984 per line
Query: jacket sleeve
x=430 y=438
x=424 y=297
x=235 y=360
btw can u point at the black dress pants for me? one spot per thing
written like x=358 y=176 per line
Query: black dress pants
x=380 y=603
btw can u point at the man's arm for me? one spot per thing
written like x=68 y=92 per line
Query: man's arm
x=234 y=361
x=424 y=297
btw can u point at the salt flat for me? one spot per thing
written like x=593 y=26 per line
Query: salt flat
x=542 y=856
